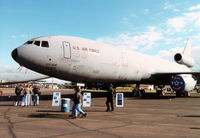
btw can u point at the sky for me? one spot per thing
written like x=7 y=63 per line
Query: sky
x=158 y=28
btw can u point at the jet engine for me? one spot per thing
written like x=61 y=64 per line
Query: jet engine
x=183 y=82
x=184 y=59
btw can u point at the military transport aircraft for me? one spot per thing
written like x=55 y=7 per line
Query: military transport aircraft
x=82 y=60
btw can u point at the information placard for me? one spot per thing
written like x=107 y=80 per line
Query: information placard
x=86 y=99
x=56 y=99
x=119 y=100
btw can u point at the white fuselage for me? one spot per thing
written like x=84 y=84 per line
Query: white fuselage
x=82 y=60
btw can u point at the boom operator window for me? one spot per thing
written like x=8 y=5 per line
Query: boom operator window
x=45 y=44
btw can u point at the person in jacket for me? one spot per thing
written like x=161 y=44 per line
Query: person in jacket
x=36 y=95
x=110 y=97
x=77 y=99
x=18 y=91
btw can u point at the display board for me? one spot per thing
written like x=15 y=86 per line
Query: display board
x=86 y=99
x=119 y=100
x=56 y=99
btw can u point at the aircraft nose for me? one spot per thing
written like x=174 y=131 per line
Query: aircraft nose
x=14 y=54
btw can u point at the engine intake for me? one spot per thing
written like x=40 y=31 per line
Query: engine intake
x=184 y=59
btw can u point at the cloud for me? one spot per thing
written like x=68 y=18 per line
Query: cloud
x=146 y=11
x=124 y=20
x=176 y=10
x=167 y=6
x=197 y=7
x=20 y=36
x=187 y=22
x=177 y=24
x=144 y=41
x=13 y=36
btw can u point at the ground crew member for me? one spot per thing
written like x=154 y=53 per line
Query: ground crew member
x=110 y=97
x=18 y=91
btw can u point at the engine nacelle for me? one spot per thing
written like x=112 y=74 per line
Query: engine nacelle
x=184 y=59
x=184 y=82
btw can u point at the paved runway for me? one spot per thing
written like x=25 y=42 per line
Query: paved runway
x=167 y=117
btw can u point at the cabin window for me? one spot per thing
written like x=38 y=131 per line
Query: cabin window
x=28 y=42
x=45 y=44
x=37 y=43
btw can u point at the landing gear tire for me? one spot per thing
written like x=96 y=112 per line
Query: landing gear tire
x=184 y=94
x=138 y=93
x=142 y=93
x=160 y=93
x=135 y=93
x=178 y=94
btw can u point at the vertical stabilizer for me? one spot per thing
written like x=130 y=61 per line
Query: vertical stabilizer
x=187 y=49
x=185 y=58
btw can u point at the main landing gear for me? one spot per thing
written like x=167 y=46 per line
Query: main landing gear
x=159 y=90
x=137 y=92
x=182 y=93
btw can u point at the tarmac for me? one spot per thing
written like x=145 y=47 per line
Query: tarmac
x=168 y=116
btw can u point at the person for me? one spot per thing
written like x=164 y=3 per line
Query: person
x=77 y=99
x=18 y=91
x=110 y=96
x=27 y=94
x=36 y=95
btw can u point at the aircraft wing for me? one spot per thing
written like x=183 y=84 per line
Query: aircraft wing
x=165 y=78
x=10 y=75
x=20 y=81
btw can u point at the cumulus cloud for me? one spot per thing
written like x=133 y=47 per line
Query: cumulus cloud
x=177 y=24
x=176 y=10
x=20 y=36
x=144 y=41
x=184 y=22
x=167 y=6
x=197 y=7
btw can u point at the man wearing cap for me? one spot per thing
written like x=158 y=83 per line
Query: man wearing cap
x=110 y=96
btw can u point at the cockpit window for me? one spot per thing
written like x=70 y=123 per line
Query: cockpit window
x=28 y=42
x=45 y=44
x=37 y=43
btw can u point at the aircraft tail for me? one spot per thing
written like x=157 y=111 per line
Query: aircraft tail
x=185 y=58
x=187 y=49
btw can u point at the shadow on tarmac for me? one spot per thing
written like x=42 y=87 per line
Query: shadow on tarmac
x=48 y=111
x=189 y=116
x=6 y=105
x=47 y=115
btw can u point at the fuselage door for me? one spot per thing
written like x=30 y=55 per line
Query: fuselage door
x=66 y=50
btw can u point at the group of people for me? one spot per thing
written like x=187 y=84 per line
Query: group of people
x=77 y=102
x=26 y=93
